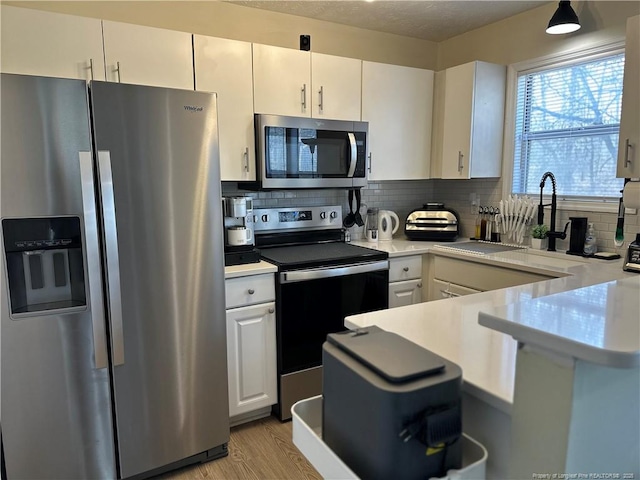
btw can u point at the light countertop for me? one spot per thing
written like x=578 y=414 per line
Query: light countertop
x=450 y=327
x=235 y=271
x=599 y=324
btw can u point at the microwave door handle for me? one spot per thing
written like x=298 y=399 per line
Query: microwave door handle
x=354 y=154
x=94 y=276
x=112 y=257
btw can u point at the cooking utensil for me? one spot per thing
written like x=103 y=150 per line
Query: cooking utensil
x=350 y=219
x=358 y=217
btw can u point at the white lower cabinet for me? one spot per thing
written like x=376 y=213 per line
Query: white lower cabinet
x=453 y=277
x=251 y=344
x=405 y=293
x=405 y=281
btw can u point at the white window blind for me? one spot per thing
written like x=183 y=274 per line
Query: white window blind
x=567 y=122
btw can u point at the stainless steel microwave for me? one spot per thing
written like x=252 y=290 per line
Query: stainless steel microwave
x=297 y=152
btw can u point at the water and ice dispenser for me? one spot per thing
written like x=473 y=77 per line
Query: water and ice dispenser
x=44 y=264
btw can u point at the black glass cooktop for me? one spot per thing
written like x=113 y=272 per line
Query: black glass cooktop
x=319 y=255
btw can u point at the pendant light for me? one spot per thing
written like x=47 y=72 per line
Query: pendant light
x=564 y=20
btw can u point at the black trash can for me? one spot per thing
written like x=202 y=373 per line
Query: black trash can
x=391 y=409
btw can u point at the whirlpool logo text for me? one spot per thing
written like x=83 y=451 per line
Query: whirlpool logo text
x=192 y=108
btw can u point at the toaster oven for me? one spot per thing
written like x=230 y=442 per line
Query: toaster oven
x=432 y=222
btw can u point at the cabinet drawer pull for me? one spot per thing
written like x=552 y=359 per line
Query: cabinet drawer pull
x=460 y=164
x=251 y=291
x=271 y=310
x=419 y=285
x=449 y=294
x=246 y=159
x=369 y=162
x=321 y=94
x=405 y=269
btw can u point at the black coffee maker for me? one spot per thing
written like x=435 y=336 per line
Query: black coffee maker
x=578 y=234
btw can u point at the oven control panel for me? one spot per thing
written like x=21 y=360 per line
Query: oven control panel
x=299 y=218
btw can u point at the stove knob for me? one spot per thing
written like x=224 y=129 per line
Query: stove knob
x=265 y=218
x=323 y=215
x=333 y=215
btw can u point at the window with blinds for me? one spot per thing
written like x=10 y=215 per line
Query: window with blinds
x=567 y=122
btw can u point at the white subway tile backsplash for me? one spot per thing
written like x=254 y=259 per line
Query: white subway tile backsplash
x=404 y=196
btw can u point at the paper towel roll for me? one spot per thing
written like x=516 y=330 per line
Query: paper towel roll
x=631 y=195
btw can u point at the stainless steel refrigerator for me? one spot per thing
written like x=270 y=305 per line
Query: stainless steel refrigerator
x=113 y=323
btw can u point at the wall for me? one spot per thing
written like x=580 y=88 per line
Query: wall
x=456 y=195
x=516 y=39
x=522 y=37
x=220 y=19
x=400 y=196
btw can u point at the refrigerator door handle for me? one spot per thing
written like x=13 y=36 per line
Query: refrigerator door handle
x=93 y=260
x=112 y=259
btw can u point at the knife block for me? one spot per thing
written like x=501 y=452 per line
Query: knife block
x=577 y=235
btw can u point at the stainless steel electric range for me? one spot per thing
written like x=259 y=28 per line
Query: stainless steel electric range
x=320 y=280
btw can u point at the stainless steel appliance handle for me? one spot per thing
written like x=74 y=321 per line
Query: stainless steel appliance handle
x=112 y=260
x=369 y=162
x=317 y=273
x=354 y=154
x=93 y=260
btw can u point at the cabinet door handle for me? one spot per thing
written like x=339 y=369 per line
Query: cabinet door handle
x=405 y=269
x=460 y=163
x=271 y=310
x=369 y=162
x=627 y=160
x=90 y=67
x=251 y=291
x=117 y=69
x=303 y=91
x=246 y=159
x=321 y=94
x=419 y=285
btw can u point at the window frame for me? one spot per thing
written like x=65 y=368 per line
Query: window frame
x=591 y=204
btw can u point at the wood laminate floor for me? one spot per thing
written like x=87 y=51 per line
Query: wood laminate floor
x=258 y=450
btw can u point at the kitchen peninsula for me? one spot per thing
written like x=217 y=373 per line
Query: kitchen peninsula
x=492 y=360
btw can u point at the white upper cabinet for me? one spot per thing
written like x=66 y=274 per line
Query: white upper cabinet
x=299 y=83
x=470 y=121
x=336 y=84
x=628 y=154
x=35 y=42
x=281 y=81
x=397 y=102
x=147 y=55
x=224 y=66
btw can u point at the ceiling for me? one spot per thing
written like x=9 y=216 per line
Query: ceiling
x=427 y=20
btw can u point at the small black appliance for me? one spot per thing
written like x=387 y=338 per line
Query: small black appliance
x=577 y=235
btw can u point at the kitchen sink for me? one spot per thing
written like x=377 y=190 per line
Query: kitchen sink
x=480 y=248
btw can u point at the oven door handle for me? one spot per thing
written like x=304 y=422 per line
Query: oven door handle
x=317 y=273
